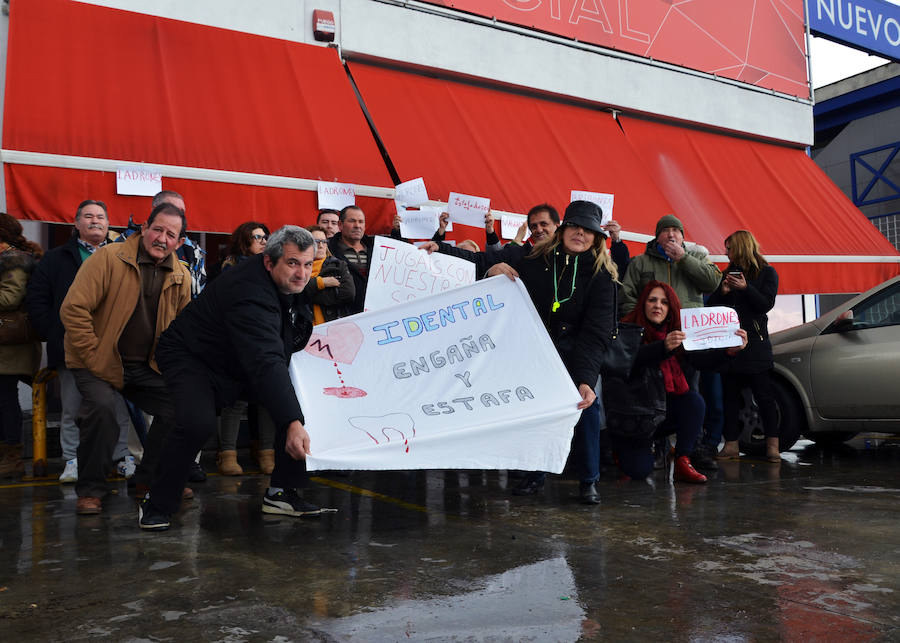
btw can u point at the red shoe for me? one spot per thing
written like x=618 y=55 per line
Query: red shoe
x=685 y=472
x=88 y=506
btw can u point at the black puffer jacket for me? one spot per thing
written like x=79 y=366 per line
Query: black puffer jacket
x=334 y=302
x=240 y=330
x=47 y=288
x=582 y=325
x=752 y=305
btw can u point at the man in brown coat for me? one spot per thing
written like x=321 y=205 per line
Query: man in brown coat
x=118 y=305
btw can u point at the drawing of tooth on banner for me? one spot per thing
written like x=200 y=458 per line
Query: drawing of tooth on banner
x=400 y=423
x=340 y=344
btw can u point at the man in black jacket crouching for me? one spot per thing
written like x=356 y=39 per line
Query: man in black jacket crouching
x=235 y=342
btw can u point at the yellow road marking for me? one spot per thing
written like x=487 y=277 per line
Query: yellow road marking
x=369 y=494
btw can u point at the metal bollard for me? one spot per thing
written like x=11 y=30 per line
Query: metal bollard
x=39 y=421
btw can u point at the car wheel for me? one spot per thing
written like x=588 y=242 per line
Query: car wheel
x=791 y=422
x=830 y=438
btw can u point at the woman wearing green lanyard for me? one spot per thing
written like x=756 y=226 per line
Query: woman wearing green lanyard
x=571 y=279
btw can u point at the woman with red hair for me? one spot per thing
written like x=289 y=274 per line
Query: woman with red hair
x=656 y=400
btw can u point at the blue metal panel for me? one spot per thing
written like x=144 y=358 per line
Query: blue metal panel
x=879 y=177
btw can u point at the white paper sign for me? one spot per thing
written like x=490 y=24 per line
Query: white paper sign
x=411 y=192
x=605 y=201
x=509 y=225
x=399 y=272
x=438 y=383
x=418 y=224
x=336 y=196
x=468 y=210
x=712 y=327
x=138 y=181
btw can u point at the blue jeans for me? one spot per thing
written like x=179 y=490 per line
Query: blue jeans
x=714 y=421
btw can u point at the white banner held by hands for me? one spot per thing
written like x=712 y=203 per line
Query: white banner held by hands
x=712 y=327
x=510 y=223
x=438 y=383
x=410 y=193
x=399 y=272
x=418 y=224
x=138 y=181
x=336 y=196
x=468 y=210
x=605 y=201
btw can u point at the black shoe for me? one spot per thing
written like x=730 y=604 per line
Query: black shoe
x=701 y=458
x=660 y=451
x=587 y=493
x=528 y=487
x=151 y=519
x=196 y=473
x=288 y=503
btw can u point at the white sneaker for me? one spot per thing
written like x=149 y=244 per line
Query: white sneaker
x=70 y=473
x=126 y=466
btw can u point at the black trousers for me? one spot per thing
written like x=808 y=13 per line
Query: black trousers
x=196 y=405
x=99 y=430
x=761 y=385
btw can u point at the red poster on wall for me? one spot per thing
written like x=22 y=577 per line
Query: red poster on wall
x=760 y=42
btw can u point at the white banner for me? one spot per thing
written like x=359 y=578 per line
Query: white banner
x=468 y=210
x=438 y=383
x=510 y=224
x=418 y=224
x=138 y=181
x=336 y=196
x=602 y=199
x=399 y=272
x=411 y=192
x=711 y=327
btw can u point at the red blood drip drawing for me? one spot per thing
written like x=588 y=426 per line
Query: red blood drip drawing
x=343 y=391
x=399 y=424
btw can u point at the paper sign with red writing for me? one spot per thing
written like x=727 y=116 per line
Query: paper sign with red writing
x=468 y=210
x=418 y=224
x=605 y=201
x=138 y=181
x=400 y=272
x=411 y=193
x=712 y=327
x=336 y=196
x=509 y=225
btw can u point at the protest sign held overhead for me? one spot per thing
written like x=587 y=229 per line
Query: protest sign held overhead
x=712 y=327
x=399 y=272
x=418 y=224
x=605 y=201
x=336 y=196
x=468 y=210
x=438 y=383
x=510 y=223
x=138 y=180
x=410 y=193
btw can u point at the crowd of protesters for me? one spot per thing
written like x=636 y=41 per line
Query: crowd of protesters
x=131 y=325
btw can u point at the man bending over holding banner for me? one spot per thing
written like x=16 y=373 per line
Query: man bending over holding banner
x=235 y=340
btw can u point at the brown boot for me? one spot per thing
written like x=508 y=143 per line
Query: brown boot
x=11 y=463
x=773 y=454
x=729 y=451
x=266 y=460
x=228 y=464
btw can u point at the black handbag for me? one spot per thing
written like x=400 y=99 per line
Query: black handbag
x=15 y=328
x=636 y=406
x=623 y=345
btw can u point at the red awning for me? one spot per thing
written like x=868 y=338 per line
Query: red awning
x=817 y=240
x=99 y=83
x=517 y=150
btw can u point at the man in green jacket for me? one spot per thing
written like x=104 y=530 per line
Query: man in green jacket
x=689 y=272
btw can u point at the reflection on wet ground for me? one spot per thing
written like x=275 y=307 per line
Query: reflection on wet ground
x=809 y=550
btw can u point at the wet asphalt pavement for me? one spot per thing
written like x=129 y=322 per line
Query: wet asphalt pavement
x=809 y=550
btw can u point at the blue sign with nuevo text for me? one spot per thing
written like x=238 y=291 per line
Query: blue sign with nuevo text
x=870 y=25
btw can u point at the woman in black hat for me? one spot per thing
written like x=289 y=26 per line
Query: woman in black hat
x=571 y=279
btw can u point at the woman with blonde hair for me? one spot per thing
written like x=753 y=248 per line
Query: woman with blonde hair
x=20 y=357
x=749 y=286
x=571 y=280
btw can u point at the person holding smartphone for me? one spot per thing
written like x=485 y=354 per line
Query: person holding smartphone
x=749 y=286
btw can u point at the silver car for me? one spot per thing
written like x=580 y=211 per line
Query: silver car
x=837 y=375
